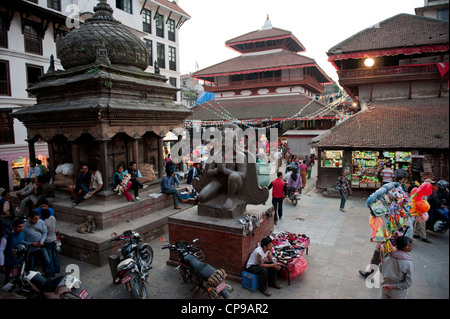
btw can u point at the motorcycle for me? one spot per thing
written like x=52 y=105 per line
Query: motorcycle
x=33 y=285
x=294 y=195
x=134 y=264
x=206 y=279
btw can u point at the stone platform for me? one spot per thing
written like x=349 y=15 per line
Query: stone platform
x=112 y=213
x=222 y=240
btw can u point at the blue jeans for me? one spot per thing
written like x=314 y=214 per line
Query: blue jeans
x=42 y=254
x=175 y=195
x=81 y=198
x=343 y=199
x=53 y=257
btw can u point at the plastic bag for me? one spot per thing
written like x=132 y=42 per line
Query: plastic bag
x=296 y=268
x=65 y=169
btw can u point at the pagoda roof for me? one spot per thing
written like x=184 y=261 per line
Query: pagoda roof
x=400 y=34
x=393 y=124
x=258 y=41
x=260 y=62
x=275 y=107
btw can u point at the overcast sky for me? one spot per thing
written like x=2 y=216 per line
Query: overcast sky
x=317 y=24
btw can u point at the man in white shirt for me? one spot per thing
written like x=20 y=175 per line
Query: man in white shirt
x=261 y=263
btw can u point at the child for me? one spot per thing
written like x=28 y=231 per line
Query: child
x=398 y=271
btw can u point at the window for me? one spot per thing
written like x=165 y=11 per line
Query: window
x=173 y=82
x=32 y=37
x=147 y=21
x=442 y=14
x=149 y=44
x=172 y=59
x=125 y=5
x=171 y=30
x=5 y=88
x=6 y=127
x=160 y=55
x=54 y=4
x=160 y=25
x=33 y=74
x=3 y=31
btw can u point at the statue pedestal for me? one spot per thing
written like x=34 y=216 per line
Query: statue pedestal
x=214 y=208
x=222 y=240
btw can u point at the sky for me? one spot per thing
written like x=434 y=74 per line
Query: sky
x=317 y=24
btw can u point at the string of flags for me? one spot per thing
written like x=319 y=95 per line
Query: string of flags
x=225 y=116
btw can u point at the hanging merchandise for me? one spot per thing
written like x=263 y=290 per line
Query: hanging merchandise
x=390 y=207
x=251 y=222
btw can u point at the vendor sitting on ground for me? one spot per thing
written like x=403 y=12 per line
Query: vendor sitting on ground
x=261 y=263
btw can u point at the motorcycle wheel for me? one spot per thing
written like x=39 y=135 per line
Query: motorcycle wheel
x=138 y=289
x=294 y=201
x=146 y=253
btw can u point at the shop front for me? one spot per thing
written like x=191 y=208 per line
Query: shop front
x=364 y=166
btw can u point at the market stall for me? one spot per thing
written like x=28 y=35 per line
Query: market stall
x=390 y=207
x=288 y=249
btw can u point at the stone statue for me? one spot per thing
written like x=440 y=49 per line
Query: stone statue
x=102 y=55
x=156 y=66
x=51 y=67
x=226 y=188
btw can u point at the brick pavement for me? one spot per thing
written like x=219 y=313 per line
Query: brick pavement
x=339 y=248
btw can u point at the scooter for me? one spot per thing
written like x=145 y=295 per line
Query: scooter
x=206 y=279
x=294 y=195
x=132 y=269
x=33 y=285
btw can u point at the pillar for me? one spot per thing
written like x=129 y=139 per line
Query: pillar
x=160 y=157
x=103 y=163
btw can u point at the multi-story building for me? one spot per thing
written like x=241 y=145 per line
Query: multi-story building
x=397 y=71
x=437 y=9
x=30 y=31
x=270 y=84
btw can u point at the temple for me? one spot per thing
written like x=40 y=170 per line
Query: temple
x=269 y=82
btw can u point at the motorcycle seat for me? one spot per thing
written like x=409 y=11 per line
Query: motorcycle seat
x=46 y=285
x=203 y=269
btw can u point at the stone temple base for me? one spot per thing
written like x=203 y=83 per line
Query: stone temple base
x=221 y=240
x=214 y=208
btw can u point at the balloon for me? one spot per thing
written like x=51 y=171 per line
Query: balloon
x=425 y=190
x=412 y=208
x=414 y=196
x=422 y=206
x=375 y=223
x=422 y=218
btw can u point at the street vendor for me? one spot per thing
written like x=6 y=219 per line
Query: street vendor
x=261 y=263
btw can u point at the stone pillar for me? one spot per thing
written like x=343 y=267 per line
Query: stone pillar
x=75 y=157
x=31 y=149
x=51 y=156
x=103 y=165
x=160 y=157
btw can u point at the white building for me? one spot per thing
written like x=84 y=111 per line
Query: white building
x=30 y=31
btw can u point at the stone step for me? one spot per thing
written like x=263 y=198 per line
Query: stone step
x=95 y=247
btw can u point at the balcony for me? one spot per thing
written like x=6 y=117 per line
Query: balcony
x=398 y=73
x=306 y=81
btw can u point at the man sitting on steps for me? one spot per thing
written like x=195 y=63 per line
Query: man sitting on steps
x=167 y=188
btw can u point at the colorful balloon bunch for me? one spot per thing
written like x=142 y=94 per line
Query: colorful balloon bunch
x=418 y=206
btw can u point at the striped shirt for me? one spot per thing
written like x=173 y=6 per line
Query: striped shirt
x=387 y=174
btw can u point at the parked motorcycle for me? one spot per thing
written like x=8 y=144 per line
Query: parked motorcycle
x=33 y=285
x=294 y=195
x=206 y=279
x=134 y=264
